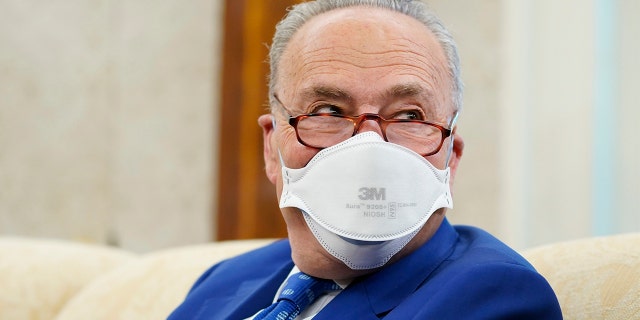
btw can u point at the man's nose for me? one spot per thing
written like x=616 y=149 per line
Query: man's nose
x=370 y=125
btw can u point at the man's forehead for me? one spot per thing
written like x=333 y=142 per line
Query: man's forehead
x=354 y=33
x=370 y=22
x=365 y=49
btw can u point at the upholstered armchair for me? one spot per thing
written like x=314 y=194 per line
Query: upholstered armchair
x=594 y=278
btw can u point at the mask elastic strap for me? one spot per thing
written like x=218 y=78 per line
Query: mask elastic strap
x=280 y=157
x=452 y=125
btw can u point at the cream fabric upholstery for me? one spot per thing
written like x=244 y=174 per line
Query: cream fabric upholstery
x=38 y=276
x=594 y=278
x=152 y=286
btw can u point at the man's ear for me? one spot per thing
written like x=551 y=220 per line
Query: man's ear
x=456 y=154
x=271 y=160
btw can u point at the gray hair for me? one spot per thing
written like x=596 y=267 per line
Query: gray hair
x=299 y=14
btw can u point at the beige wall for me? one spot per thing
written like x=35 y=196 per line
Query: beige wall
x=547 y=109
x=475 y=26
x=627 y=129
x=550 y=117
x=108 y=130
x=106 y=120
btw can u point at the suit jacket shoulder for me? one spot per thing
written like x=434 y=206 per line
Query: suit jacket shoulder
x=460 y=273
x=485 y=279
x=238 y=287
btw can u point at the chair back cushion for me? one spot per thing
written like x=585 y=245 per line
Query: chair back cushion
x=39 y=276
x=594 y=278
x=154 y=285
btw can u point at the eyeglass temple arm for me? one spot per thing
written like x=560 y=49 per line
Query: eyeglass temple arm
x=452 y=127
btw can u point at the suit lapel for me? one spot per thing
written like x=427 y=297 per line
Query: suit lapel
x=239 y=288
x=381 y=292
x=253 y=295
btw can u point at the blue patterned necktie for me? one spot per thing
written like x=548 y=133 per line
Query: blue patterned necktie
x=299 y=291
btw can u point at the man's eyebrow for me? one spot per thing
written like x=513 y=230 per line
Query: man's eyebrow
x=327 y=92
x=411 y=90
x=408 y=90
x=398 y=91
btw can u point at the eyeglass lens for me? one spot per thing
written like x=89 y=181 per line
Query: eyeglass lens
x=321 y=131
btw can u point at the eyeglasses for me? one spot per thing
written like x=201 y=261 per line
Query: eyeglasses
x=322 y=130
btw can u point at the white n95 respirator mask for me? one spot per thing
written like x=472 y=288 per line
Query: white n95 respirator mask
x=364 y=199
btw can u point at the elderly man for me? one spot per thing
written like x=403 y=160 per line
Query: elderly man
x=362 y=147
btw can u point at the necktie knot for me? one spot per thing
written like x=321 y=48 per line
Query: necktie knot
x=299 y=291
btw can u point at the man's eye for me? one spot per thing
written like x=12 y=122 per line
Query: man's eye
x=327 y=108
x=409 y=115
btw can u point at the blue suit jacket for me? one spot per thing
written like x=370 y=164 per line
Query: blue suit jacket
x=460 y=273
